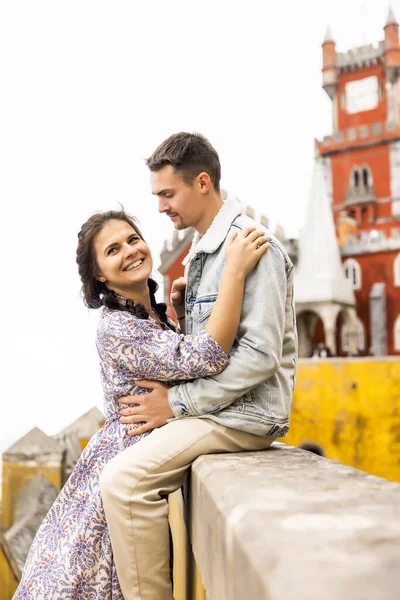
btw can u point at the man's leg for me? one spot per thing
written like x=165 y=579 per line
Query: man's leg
x=134 y=487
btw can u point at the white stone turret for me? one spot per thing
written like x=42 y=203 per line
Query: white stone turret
x=321 y=287
x=320 y=276
x=328 y=35
x=391 y=19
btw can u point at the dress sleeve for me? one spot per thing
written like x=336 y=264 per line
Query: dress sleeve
x=148 y=352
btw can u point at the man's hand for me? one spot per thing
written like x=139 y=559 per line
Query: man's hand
x=178 y=296
x=153 y=409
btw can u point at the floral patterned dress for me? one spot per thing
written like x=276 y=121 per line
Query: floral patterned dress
x=71 y=556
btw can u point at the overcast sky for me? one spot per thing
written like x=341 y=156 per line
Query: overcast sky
x=88 y=90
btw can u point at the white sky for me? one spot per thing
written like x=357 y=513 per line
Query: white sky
x=88 y=90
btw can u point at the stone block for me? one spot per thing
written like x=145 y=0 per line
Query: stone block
x=286 y=523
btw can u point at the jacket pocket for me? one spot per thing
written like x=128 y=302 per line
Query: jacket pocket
x=202 y=308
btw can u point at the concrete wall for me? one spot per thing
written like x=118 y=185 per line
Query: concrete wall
x=9 y=571
x=286 y=524
x=8 y=581
x=15 y=476
x=351 y=408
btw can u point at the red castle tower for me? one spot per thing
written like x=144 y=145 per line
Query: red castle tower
x=362 y=163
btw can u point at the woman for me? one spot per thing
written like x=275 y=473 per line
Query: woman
x=71 y=555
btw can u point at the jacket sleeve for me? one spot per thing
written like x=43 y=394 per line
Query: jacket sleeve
x=140 y=347
x=258 y=353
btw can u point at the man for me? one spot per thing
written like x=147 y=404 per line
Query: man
x=244 y=408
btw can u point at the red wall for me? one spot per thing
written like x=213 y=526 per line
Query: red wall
x=175 y=271
x=377 y=268
x=377 y=158
x=375 y=115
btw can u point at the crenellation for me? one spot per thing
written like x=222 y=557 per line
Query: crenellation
x=362 y=56
x=34 y=469
x=34 y=447
x=250 y=212
x=368 y=242
x=362 y=135
x=376 y=128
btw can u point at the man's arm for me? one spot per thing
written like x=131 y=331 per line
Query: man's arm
x=256 y=357
x=258 y=353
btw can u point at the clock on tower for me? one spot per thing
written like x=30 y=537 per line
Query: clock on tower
x=361 y=95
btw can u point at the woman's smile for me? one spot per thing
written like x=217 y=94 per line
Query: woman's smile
x=134 y=265
x=120 y=252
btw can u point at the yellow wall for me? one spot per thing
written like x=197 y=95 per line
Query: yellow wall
x=15 y=475
x=8 y=583
x=351 y=408
x=84 y=442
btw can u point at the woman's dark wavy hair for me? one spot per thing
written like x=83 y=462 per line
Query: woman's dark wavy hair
x=96 y=293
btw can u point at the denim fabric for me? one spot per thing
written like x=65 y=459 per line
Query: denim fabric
x=254 y=392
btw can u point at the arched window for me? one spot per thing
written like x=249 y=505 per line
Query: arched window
x=361 y=179
x=380 y=90
x=353 y=336
x=397 y=271
x=366 y=177
x=396 y=333
x=355 y=178
x=352 y=272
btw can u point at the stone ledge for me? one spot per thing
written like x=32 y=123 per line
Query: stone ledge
x=286 y=524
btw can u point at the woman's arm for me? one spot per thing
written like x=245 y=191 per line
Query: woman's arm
x=144 y=351
x=243 y=251
x=147 y=352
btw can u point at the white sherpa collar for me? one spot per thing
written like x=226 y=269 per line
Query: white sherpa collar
x=217 y=231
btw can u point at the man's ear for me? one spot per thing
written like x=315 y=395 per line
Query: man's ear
x=204 y=181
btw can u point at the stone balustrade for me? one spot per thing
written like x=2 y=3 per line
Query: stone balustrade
x=286 y=524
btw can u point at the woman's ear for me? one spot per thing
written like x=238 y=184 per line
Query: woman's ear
x=101 y=278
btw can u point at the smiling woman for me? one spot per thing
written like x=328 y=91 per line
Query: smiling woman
x=114 y=259
x=71 y=556
x=124 y=261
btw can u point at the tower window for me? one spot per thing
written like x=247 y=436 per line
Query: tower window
x=352 y=272
x=366 y=177
x=353 y=336
x=396 y=333
x=397 y=271
x=361 y=179
x=380 y=90
x=356 y=178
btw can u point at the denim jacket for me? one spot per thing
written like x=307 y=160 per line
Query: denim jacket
x=254 y=392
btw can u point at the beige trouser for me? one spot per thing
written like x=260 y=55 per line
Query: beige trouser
x=135 y=485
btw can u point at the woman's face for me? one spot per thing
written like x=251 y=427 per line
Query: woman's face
x=123 y=258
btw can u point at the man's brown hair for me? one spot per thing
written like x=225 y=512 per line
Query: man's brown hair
x=189 y=154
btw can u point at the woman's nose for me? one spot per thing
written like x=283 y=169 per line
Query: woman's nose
x=129 y=250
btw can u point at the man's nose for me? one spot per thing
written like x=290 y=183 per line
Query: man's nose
x=163 y=205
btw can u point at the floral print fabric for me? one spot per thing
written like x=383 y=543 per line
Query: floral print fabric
x=71 y=556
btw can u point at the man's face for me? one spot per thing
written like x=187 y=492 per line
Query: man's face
x=182 y=203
